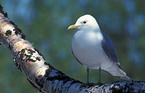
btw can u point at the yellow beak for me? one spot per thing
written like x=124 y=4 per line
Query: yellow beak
x=72 y=27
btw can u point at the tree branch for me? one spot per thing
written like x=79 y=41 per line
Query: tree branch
x=41 y=75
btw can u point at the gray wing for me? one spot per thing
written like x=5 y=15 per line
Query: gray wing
x=109 y=49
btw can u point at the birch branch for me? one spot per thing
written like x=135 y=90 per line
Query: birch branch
x=41 y=75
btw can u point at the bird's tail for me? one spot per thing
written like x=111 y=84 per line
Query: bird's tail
x=126 y=78
x=116 y=71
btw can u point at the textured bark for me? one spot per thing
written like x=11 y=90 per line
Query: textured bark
x=41 y=74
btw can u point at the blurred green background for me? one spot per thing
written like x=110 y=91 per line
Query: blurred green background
x=45 y=23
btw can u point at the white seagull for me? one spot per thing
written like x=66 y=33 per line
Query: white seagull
x=94 y=49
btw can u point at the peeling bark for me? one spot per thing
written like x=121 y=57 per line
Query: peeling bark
x=41 y=75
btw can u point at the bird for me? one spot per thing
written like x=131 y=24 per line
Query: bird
x=93 y=49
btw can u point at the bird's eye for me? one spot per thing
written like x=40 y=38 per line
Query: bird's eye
x=84 y=22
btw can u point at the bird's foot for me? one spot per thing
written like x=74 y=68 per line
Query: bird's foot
x=99 y=83
x=90 y=84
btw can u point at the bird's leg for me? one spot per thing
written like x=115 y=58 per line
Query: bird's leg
x=99 y=75
x=87 y=75
x=99 y=83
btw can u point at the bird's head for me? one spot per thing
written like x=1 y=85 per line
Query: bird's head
x=85 y=22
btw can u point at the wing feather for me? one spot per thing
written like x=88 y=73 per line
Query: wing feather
x=109 y=49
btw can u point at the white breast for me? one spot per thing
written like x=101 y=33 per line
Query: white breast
x=87 y=48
